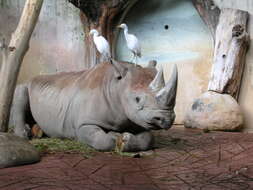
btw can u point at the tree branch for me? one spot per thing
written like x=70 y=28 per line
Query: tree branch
x=209 y=12
x=18 y=46
x=231 y=46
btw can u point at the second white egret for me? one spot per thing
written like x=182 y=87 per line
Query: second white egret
x=132 y=42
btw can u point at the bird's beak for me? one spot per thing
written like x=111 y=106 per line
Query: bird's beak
x=118 y=26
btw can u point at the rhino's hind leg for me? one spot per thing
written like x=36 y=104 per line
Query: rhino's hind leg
x=139 y=142
x=20 y=107
x=97 y=138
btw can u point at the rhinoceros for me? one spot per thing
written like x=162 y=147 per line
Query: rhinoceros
x=99 y=106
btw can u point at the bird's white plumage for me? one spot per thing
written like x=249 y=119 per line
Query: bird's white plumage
x=132 y=42
x=101 y=44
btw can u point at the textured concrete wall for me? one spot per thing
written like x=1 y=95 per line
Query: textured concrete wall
x=172 y=32
x=57 y=42
x=246 y=93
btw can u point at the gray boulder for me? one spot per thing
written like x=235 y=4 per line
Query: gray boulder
x=15 y=151
x=214 y=111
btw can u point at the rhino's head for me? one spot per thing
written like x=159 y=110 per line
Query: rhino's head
x=147 y=100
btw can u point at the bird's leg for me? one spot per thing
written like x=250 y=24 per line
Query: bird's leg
x=136 y=59
x=105 y=58
x=132 y=59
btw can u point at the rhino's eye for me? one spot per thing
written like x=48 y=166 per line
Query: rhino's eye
x=137 y=99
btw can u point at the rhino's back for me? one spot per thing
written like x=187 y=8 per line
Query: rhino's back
x=50 y=98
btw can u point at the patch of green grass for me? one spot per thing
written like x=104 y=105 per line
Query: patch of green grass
x=56 y=145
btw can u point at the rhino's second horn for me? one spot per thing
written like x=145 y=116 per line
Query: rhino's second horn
x=167 y=95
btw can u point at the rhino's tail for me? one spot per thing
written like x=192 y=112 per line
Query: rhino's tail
x=21 y=116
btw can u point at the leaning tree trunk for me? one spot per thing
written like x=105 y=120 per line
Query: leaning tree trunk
x=209 y=12
x=231 y=45
x=13 y=56
x=101 y=15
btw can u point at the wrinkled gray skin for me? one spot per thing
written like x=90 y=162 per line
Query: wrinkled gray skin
x=98 y=106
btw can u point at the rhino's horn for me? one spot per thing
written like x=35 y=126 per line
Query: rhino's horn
x=167 y=95
x=158 y=82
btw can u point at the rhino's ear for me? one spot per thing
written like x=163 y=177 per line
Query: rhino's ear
x=152 y=64
x=120 y=70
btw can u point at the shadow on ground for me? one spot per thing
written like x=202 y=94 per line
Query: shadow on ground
x=183 y=159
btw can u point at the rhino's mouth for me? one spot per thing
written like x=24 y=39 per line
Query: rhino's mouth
x=153 y=126
x=162 y=125
x=155 y=119
x=160 y=120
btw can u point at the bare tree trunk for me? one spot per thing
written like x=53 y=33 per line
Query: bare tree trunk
x=231 y=45
x=102 y=16
x=14 y=54
x=209 y=12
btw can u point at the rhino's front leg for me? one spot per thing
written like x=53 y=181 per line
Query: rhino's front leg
x=139 y=142
x=97 y=138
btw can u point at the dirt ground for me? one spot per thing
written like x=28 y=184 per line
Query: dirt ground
x=183 y=159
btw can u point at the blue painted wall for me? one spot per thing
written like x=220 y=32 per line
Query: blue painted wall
x=148 y=22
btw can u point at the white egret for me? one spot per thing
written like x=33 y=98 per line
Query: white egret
x=101 y=44
x=132 y=42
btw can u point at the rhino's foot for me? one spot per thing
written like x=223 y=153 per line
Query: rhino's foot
x=23 y=131
x=140 y=142
x=97 y=138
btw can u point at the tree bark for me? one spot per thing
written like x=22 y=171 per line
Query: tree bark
x=14 y=54
x=231 y=45
x=102 y=16
x=209 y=12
